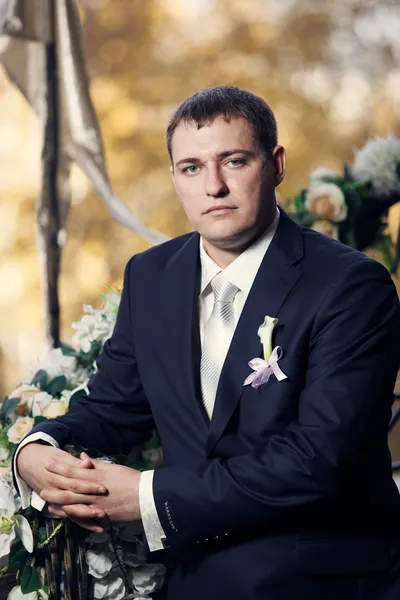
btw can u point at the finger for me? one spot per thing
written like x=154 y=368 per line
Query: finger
x=78 y=486
x=56 y=511
x=86 y=461
x=54 y=496
x=71 y=471
x=82 y=511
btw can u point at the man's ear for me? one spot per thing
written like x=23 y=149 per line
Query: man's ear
x=279 y=161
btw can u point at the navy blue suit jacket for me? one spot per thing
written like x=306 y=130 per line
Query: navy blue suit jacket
x=287 y=492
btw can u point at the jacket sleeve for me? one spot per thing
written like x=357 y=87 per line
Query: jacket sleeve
x=116 y=415
x=353 y=362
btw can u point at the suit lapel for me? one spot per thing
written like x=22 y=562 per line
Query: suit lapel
x=179 y=298
x=274 y=281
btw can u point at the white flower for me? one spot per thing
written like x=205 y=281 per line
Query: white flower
x=326 y=201
x=99 y=564
x=55 y=363
x=79 y=378
x=44 y=405
x=112 y=588
x=16 y=594
x=322 y=174
x=148 y=578
x=265 y=332
x=94 y=325
x=12 y=526
x=20 y=429
x=377 y=162
x=326 y=227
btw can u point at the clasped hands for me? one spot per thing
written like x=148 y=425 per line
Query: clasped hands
x=84 y=490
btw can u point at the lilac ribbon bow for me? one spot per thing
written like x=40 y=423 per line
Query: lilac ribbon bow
x=263 y=369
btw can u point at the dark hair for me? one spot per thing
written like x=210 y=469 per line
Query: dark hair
x=227 y=101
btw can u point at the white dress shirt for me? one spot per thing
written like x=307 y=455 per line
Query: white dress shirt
x=241 y=272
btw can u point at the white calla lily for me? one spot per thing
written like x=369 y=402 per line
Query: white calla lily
x=265 y=332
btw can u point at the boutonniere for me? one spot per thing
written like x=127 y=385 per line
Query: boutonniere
x=265 y=367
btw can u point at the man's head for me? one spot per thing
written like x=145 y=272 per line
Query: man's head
x=225 y=164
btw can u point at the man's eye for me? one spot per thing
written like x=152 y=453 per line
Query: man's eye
x=236 y=162
x=192 y=169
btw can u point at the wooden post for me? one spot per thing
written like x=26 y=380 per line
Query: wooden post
x=48 y=210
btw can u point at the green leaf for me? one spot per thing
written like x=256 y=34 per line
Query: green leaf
x=30 y=580
x=68 y=350
x=42 y=534
x=7 y=407
x=86 y=359
x=75 y=397
x=40 y=379
x=18 y=556
x=56 y=385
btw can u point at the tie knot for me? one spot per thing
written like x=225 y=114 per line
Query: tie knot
x=224 y=290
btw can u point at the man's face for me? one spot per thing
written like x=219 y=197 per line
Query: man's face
x=224 y=181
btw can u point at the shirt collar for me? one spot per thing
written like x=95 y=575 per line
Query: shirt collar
x=243 y=270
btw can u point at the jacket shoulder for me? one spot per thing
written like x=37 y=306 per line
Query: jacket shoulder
x=157 y=256
x=325 y=254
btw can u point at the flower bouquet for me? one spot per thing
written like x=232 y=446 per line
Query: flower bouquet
x=353 y=207
x=52 y=558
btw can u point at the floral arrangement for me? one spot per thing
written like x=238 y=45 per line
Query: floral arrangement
x=116 y=560
x=353 y=207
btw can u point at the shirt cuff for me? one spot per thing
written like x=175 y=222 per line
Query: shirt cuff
x=153 y=530
x=29 y=496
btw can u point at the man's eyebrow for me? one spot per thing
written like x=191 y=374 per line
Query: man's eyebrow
x=194 y=160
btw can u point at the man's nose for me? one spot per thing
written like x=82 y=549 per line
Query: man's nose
x=215 y=185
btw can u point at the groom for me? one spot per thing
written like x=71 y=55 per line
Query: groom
x=275 y=491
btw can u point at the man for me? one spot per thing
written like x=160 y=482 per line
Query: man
x=274 y=491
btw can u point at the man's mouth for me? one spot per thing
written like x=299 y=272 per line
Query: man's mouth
x=219 y=209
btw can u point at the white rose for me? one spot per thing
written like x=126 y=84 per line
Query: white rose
x=20 y=429
x=40 y=402
x=327 y=201
x=326 y=227
x=265 y=333
x=25 y=393
x=321 y=174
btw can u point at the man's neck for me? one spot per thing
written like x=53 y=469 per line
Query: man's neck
x=223 y=257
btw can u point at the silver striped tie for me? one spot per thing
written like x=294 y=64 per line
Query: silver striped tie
x=217 y=337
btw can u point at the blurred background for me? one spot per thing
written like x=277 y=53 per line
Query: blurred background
x=329 y=70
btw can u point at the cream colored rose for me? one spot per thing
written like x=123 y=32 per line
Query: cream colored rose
x=327 y=201
x=265 y=333
x=326 y=227
x=44 y=405
x=56 y=408
x=20 y=429
x=25 y=393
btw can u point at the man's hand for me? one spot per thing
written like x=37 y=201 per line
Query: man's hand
x=32 y=465
x=121 y=504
